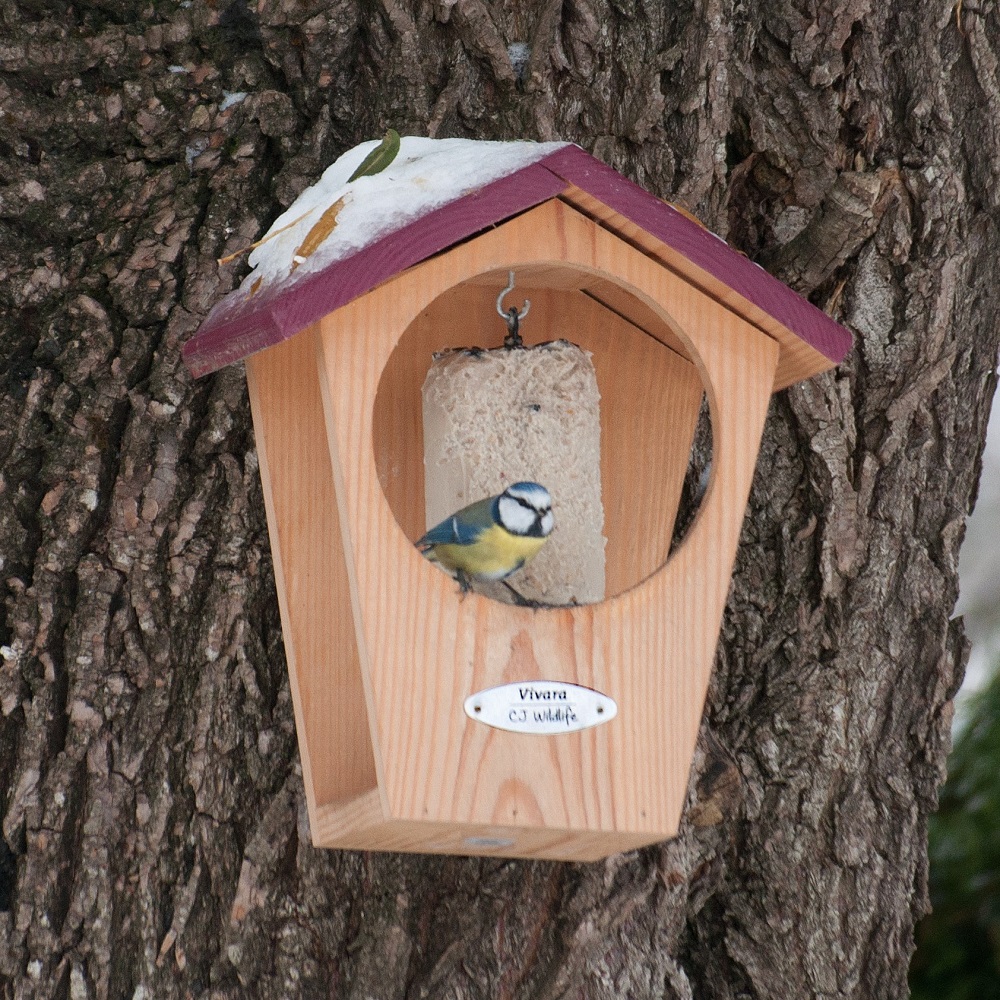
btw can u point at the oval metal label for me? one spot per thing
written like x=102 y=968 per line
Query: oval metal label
x=540 y=707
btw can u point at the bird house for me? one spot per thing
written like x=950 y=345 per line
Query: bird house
x=433 y=721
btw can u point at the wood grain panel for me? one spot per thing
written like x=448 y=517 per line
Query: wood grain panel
x=799 y=359
x=651 y=649
x=310 y=569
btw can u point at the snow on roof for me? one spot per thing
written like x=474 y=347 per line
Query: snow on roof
x=342 y=238
x=337 y=217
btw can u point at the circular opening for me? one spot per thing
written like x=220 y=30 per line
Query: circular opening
x=655 y=430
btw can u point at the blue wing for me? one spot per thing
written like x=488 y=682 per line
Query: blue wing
x=462 y=528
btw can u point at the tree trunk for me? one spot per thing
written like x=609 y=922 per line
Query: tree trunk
x=155 y=843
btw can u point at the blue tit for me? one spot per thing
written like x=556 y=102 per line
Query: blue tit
x=494 y=537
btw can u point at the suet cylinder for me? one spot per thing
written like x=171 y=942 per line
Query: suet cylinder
x=494 y=417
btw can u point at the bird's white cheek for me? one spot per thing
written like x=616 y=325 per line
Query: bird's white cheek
x=547 y=522
x=515 y=518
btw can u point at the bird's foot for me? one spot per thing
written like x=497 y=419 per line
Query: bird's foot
x=520 y=600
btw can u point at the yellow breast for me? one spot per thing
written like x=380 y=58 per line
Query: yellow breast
x=496 y=553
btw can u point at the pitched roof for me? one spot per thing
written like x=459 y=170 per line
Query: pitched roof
x=258 y=315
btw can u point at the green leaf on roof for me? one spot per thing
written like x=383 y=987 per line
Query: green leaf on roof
x=380 y=157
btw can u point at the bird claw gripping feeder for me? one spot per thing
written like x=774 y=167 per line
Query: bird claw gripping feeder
x=429 y=720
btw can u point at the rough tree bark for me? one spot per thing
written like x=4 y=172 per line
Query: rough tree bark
x=154 y=836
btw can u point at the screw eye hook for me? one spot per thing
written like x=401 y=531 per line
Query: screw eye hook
x=512 y=317
x=507 y=291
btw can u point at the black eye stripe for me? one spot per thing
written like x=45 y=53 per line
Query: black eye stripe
x=527 y=506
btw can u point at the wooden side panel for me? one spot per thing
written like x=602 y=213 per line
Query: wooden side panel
x=311 y=572
x=636 y=312
x=650 y=398
x=799 y=359
x=651 y=649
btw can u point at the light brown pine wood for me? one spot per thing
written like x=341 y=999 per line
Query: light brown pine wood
x=798 y=360
x=357 y=825
x=423 y=649
x=311 y=573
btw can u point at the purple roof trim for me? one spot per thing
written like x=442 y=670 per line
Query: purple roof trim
x=240 y=326
x=710 y=252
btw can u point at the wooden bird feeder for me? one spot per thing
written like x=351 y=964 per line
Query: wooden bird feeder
x=383 y=650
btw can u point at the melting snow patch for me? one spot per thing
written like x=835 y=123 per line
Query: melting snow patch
x=335 y=218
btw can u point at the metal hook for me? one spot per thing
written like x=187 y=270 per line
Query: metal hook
x=512 y=317
x=508 y=289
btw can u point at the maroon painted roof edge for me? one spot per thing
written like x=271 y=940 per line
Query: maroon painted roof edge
x=709 y=252
x=240 y=326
